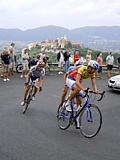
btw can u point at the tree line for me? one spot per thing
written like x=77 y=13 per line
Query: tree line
x=53 y=54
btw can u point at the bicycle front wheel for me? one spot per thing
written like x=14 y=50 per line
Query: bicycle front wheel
x=25 y=108
x=90 y=121
x=63 y=117
x=27 y=103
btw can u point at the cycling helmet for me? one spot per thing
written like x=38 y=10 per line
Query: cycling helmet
x=77 y=63
x=41 y=63
x=93 y=64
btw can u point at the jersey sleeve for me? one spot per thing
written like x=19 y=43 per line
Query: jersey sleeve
x=43 y=72
x=33 y=68
x=92 y=75
x=80 y=71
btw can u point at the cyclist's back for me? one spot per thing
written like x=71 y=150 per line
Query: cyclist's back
x=82 y=70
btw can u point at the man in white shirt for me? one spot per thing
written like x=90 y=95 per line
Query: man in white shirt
x=109 y=63
x=60 y=58
x=25 y=59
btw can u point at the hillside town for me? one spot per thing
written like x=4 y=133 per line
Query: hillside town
x=56 y=43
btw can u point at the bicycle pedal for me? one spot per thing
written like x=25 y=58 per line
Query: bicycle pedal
x=71 y=122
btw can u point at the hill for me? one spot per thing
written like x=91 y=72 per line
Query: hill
x=81 y=34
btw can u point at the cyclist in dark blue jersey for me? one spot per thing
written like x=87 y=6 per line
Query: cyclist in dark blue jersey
x=36 y=74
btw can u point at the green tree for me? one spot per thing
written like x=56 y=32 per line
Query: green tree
x=68 y=45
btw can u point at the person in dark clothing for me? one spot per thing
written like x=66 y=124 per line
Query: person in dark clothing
x=118 y=62
x=5 y=61
x=66 y=59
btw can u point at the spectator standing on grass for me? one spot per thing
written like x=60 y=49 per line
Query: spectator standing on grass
x=1 y=65
x=118 y=62
x=5 y=61
x=100 y=61
x=42 y=56
x=66 y=59
x=60 y=59
x=109 y=63
x=76 y=56
x=13 y=51
x=12 y=59
x=25 y=58
x=88 y=56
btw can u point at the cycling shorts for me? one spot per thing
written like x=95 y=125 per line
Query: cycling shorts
x=70 y=83
x=32 y=79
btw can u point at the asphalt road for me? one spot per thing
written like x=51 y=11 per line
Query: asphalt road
x=36 y=135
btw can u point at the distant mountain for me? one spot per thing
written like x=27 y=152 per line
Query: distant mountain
x=83 y=34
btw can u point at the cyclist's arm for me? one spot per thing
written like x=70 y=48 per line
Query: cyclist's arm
x=42 y=80
x=27 y=77
x=78 y=78
x=94 y=85
x=64 y=77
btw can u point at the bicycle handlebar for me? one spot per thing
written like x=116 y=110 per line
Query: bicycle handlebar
x=87 y=92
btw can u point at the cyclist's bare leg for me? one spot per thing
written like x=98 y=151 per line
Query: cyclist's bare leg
x=64 y=93
x=74 y=93
x=23 y=72
x=26 y=91
x=36 y=87
x=79 y=100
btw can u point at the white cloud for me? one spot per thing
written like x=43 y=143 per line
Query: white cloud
x=26 y=14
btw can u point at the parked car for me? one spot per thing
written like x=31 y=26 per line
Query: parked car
x=114 y=83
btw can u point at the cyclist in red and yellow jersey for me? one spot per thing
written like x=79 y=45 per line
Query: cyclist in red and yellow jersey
x=76 y=76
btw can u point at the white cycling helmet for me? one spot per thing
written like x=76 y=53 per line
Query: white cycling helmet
x=93 y=64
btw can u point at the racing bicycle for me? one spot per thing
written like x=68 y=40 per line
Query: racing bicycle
x=29 y=98
x=89 y=115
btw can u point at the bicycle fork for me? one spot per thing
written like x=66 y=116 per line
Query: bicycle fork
x=89 y=112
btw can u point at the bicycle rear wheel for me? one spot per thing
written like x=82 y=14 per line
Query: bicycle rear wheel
x=63 y=117
x=90 y=121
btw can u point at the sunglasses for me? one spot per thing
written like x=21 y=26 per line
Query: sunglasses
x=40 y=66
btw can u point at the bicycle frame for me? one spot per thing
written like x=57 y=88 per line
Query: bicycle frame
x=74 y=115
x=87 y=104
x=89 y=113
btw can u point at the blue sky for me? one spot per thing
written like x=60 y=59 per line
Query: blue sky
x=70 y=14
